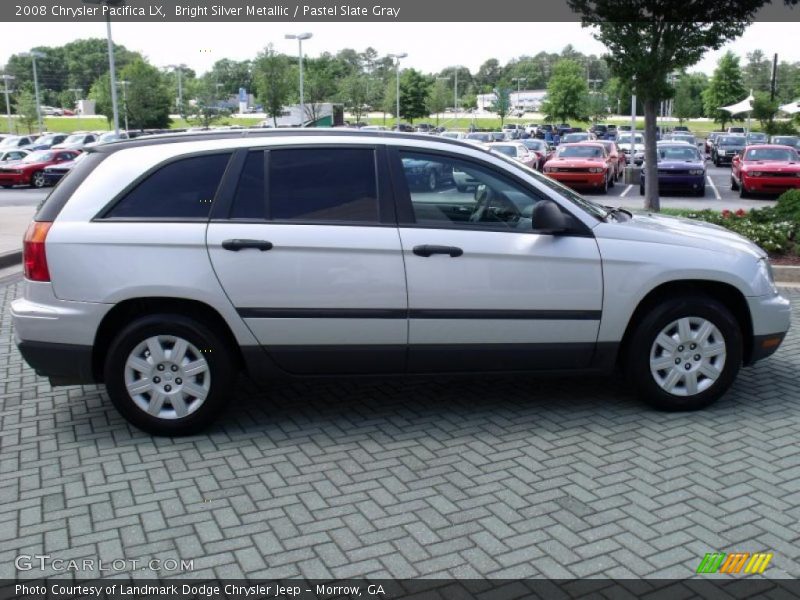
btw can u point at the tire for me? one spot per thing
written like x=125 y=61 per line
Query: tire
x=7 y=187
x=641 y=189
x=37 y=180
x=669 y=388
x=716 y=162
x=734 y=185
x=701 y=192
x=604 y=189
x=612 y=179
x=433 y=182
x=742 y=192
x=215 y=377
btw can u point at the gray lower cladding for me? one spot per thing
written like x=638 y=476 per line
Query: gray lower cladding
x=63 y=364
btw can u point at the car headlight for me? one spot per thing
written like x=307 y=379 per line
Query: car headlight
x=753 y=173
x=695 y=171
x=596 y=170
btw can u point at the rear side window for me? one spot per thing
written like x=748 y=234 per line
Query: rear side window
x=248 y=202
x=323 y=184
x=183 y=189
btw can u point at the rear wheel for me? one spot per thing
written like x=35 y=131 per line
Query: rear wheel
x=168 y=374
x=641 y=189
x=433 y=181
x=37 y=179
x=685 y=353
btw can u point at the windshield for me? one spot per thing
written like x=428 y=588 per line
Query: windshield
x=731 y=141
x=10 y=141
x=771 y=154
x=575 y=137
x=594 y=209
x=677 y=153
x=38 y=157
x=580 y=152
x=74 y=139
x=786 y=141
x=507 y=150
x=535 y=145
x=757 y=136
x=626 y=139
x=481 y=137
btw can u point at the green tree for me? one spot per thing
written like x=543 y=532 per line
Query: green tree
x=597 y=106
x=204 y=110
x=354 y=94
x=688 y=102
x=27 y=116
x=439 y=98
x=100 y=92
x=566 y=92
x=231 y=75
x=502 y=101
x=648 y=40
x=757 y=73
x=319 y=83
x=764 y=109
x=271 y=75
x=724 y=89
x=148 y=100
x=488 y=75
x=413 y=94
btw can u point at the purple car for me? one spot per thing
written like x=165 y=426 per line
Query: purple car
x=680 y=168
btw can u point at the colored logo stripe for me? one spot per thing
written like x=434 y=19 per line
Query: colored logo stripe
x=715 y=562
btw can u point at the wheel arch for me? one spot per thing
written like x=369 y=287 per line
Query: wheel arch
x=127 y=311
x=725 y=293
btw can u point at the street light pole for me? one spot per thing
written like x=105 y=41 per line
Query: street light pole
x=519 y=81
x=77 y=92
x=33 y=54
x=111 y=63
x=124 y=85
x=300 y=38
x=397 y=72
x=6 y=79
x=179 y=71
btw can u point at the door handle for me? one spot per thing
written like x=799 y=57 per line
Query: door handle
x=429 y=249
x=236 y=245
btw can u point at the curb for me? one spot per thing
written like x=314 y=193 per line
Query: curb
x=9 y=259
x=786 y=274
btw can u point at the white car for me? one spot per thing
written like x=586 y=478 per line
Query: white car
x=624 y=143
x=162 y=267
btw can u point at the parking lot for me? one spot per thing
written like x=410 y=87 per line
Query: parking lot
x=436 y=477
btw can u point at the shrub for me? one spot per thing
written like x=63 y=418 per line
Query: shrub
x=788 y=206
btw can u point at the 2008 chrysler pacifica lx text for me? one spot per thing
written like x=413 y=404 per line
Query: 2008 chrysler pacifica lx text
x=162 y=267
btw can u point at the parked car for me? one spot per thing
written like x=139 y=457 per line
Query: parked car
x=678 y=128
x=633 y=155
x=374 y=128
x=583 y=165
x=711 y=139
x=482 y=137
x=726 y=147
x=141 y=278
x=756 y=137
x=786 y=140
x=108 y=137
x=30 y=170
x=543 y=151
x=563 y=128
x=76 y=141
x=453 y=135
x=17 y=141
x=55 y=173
x=543 y=129
x=425 y=128
x=617 y=156
x=680 y=137
x=404 y=127
x=532 y=128
x=9 y=155
x=680 y=167
x=425 y=175
x=516 y=150
x=599 y=130
x=499 y=136
x=765 y=169
x=46 y=141
x=737 y=130
x=583 y=136
x=513 y=129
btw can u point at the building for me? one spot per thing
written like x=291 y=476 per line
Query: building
x=526 y=100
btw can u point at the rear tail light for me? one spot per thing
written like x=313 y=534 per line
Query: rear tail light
x=33 y=252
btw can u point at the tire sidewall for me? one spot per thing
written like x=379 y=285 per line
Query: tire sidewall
x=638 y=355
x=215 y=351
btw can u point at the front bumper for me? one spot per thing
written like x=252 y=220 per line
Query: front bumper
x=579 y=179
x=771 y=315
x=680 y=182
x=770 y=185
x=12 y=179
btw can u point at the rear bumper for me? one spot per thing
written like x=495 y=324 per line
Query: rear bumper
x=63 y=364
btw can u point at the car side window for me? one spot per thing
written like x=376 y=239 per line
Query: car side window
x=323 y=184
x=449 y=192
x=183 y=189
x=249 y=199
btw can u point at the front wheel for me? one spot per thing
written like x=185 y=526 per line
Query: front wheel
x=641 y=189
x=37 y=179
x=734 y=185
x=685 y=353
x=433 y=181
x=168 y=374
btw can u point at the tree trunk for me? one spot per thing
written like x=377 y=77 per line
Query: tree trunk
x=652 y=201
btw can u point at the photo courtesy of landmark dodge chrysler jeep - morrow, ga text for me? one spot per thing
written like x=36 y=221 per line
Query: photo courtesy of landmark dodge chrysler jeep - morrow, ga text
x=163 y=266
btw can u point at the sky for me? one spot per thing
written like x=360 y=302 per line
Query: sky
x=430 y=46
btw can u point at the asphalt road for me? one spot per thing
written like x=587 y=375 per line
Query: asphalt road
x=718 y=195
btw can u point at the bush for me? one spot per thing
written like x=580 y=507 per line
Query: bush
x=788 y=206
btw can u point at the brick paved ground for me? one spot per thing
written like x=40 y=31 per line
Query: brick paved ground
x=425 y=478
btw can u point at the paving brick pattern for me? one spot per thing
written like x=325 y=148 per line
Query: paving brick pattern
x=494 y=477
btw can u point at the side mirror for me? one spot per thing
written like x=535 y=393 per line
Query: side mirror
x=548 y=218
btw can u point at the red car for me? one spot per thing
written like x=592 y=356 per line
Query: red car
x=30 y=170
x=765 y=169
x=584 y=165
x=617 y=156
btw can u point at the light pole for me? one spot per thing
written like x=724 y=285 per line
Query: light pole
x=77 y=92
x=33 y=54
x=6 y=79
x=125 y=85
x=179 y=71
x=397 y=71
x=519 y=81
x=111 y=64
x=300 y=37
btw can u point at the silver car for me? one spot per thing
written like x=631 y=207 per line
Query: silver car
x=162 y=267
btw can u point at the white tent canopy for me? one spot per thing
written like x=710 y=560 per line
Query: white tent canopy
x=744 y=106
x=792 y=108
